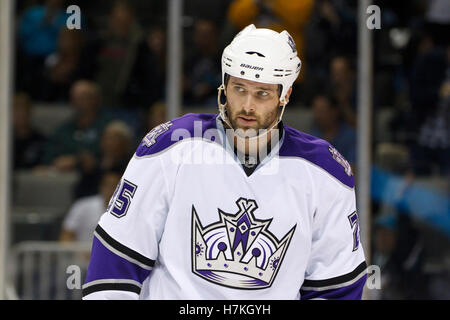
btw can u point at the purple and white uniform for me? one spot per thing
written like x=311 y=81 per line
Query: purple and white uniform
x=187 y=222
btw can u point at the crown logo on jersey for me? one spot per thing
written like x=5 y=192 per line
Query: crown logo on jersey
x=341 y=160
x=150 y=138
x=238 y=251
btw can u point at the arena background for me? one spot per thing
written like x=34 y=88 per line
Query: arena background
x=74 y=105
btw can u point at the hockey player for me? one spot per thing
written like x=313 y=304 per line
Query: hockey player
x=233 y=205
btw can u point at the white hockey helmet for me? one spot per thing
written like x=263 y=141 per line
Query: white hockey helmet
x=262 y=55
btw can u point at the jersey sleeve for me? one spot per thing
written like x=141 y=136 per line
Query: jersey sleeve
x=336 y=268
x=125 y=244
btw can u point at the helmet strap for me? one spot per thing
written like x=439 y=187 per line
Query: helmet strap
x=222 y=107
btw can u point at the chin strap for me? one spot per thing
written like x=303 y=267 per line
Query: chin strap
x=223 y=115
x=222 y=107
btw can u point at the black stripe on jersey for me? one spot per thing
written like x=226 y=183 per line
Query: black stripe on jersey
x=111 y=286
x=336 y=280
x=125 y=250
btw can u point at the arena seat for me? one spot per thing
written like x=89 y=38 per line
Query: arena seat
x=35 y=223
x=47 y=117
x=50 y=190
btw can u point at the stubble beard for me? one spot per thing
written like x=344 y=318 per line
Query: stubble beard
x=243 y=133
x=261 y=124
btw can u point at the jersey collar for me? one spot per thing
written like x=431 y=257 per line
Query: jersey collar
x=272 y=153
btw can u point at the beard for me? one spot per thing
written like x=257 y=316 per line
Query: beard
x=260 y=123
x=253 y=139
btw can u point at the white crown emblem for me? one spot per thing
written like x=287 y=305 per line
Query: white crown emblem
x=238 y=251
x=150 y=138
x=341 y=160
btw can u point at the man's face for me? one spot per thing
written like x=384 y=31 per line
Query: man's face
x=340 y=70
x=204 y=34
x=84 y=97
x=114 y=142
x=120 y=21
x=252 y=105
x=324 y=115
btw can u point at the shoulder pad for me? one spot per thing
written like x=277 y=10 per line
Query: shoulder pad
x=160 y=137
x=317 y=151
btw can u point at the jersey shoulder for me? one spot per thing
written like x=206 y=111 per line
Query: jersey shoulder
x=162 y=136
x=317 y=151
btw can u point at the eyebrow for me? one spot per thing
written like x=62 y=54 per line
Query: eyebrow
x=259 y=87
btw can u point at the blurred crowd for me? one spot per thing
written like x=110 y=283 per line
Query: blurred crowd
x=111 y=74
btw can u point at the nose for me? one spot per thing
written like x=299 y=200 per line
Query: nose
x=248 y=104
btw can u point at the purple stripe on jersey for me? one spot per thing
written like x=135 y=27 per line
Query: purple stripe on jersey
x=351 y=292
x=163 y=139
x=211 y=275
x=254 y=283
x=315 y=150
x=105 y=264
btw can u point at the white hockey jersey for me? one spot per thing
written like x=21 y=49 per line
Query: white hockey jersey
x=186 y=221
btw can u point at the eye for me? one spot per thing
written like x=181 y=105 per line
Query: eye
x=263 y=93
x=239 y=89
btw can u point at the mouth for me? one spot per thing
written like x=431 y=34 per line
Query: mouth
x=246 y=120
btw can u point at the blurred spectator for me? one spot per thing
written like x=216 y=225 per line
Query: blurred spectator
x=438 y=19
x=156 y=42
x=76 y=143
x=422 y=72
x=277 y=15
x=330 y=126
x=116 y=147
x=126 y=67
x=202 y=72
x=156 y=116
x=70 y=62
x=428 y=72
x=28 y=142
x=37 y=38
x=399 y=252
x=429 y=99
x=83 y=216
x=343 y=88
x=330 y=32
x=433 y=147
x=39 y=28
